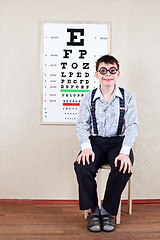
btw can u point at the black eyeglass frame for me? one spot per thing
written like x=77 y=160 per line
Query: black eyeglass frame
x=106 y=70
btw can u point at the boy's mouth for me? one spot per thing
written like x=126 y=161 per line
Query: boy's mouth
x=108 y=79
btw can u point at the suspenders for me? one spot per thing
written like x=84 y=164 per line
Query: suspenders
x=121 y=115
x=122 y=112
x=93 y=111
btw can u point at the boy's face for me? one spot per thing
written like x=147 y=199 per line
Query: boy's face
x=107 y=79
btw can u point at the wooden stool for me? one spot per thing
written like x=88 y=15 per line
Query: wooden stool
x=118 y=217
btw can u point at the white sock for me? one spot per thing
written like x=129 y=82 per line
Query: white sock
x=107 y=227
x=104 y=212
x=95 y=211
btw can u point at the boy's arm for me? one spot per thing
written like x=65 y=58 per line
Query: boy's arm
x=131 y=129
x=131 y=125
x=83 y=122
x=82 y=130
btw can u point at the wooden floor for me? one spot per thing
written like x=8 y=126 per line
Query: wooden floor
x=19 y=221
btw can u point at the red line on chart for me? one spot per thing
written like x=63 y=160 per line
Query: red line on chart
x=71 y=104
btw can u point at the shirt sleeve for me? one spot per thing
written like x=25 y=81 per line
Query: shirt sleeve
x=83 y=122
x=131 y=124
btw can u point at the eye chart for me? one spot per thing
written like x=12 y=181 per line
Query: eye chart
x=70 y=52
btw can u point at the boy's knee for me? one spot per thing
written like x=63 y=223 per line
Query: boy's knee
x=116 y=170
x=87 y=169
x=75 y=165
x=78 y=167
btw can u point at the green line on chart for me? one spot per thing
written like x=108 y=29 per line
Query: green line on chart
x=73 y=90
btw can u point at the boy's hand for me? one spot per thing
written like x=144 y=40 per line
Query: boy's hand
x=125 y=162
x=84 y=156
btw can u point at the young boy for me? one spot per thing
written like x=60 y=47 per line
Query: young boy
x=107 y=125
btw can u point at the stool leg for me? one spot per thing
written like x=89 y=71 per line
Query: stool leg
x=129 y=197
x=118 y=217
x=86 y=213
x=99 y=188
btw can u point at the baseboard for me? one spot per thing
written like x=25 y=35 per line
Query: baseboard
x=143 y=201
x=55 y=201
x=67 y=201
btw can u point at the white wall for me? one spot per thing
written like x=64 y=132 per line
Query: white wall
x=36 y=161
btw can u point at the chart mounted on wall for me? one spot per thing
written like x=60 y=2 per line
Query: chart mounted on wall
x=69 y=54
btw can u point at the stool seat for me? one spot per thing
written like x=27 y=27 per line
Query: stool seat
x=118 y=217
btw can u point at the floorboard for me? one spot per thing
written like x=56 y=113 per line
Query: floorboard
x=19 y=221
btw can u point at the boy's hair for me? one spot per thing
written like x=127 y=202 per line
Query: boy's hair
x=107 y=59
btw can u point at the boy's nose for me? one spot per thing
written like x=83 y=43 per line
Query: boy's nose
x=108 y=73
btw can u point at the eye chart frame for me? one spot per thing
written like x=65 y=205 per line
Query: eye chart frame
x=68 y=55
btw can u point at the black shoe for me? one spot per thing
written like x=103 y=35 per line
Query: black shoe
x=108 y=222
x=94 y=223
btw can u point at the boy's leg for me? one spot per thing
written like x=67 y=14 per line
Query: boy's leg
x=86 y=179
x=116 y=182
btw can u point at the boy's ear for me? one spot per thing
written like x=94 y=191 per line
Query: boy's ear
x=96 y=74
x=118 y=73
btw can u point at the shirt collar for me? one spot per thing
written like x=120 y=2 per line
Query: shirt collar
x=97 y=94
x=117 y=93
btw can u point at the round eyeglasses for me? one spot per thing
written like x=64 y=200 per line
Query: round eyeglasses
x=104 y=70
